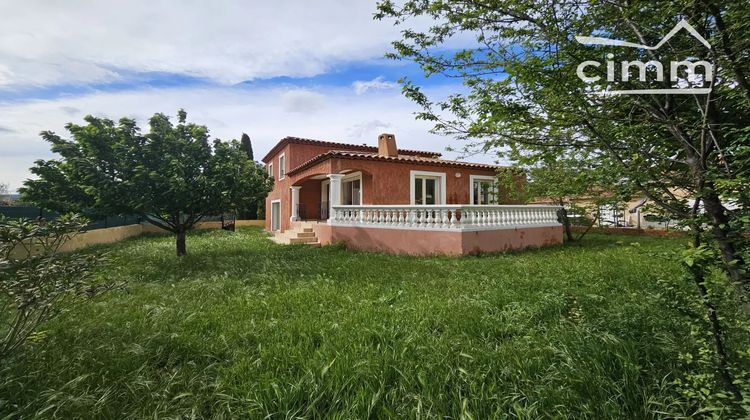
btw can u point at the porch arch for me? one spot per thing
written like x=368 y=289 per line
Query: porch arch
x=311 y=195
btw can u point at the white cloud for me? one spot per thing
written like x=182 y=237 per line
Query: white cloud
x=263 y=113
x=303 y=101
x=49 y=44
x=378 y=83
x=83 y=41
x=366 y=129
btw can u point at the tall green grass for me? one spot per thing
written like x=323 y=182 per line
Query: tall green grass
x=242 y=327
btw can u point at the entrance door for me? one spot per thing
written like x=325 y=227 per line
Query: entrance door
x=324 y=194
x=276 y=215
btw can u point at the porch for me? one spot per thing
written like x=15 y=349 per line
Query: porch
x=312 y=197
x=331 y=207
x=434 y=229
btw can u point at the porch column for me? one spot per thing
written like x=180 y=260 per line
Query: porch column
x=334 y=195
x=295 y=203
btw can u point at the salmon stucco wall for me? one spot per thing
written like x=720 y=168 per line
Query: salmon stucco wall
x=510 y=239
x=294 y=155
x=383 y=182
x=423 y=242
x=390 y=181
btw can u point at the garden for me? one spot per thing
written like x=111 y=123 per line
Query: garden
x=606 y=327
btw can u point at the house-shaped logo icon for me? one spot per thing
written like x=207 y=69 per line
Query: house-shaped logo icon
x=682 y=83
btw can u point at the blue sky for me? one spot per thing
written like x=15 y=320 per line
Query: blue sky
x=267 y=69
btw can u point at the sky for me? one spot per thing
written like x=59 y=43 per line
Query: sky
x=268 y=69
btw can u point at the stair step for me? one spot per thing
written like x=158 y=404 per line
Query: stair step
x=300 y=233
x=303 y=240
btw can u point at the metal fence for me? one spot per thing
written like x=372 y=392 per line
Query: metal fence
x=33 y=213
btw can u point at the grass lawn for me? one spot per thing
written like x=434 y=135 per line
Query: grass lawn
x=242 y=327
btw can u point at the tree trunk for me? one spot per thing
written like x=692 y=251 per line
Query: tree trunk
x=733 y=261
x=698 y=273
x=181 y=248
x=566 y=224
x=588 y=228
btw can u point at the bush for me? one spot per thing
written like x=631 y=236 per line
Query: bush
x=36 y=281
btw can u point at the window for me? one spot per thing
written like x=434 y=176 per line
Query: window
x=351 y=189
x=483 y=190
x=282 y=166
x=427 y=188
x=270 y=171
x=350 y=192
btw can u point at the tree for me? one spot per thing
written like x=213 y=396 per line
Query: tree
x=35 y=286
x=251 y=210
x=247 y=146
x=173 y=176
x=574 y=182
x=523 y=97
x=4 y=190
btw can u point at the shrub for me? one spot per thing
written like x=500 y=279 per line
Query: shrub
x=37 y=281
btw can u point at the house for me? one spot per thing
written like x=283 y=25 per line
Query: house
x=398 y=201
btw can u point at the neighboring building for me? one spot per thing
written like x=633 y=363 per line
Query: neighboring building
x=371 y=197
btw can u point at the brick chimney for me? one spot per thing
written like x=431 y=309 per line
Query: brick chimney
x=387 y=145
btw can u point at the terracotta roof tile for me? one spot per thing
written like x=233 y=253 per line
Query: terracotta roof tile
x=343 y=154
x=356 y=147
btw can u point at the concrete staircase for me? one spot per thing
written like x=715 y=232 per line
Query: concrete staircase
x=300 y=233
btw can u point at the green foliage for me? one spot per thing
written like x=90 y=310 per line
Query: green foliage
x=574 y=181
x=247 y=146
x=254 y=209
x=173 y=175
x=4 y=189
x=243 y=327
x=523 y=100
x=36 y=281
x=701 y=388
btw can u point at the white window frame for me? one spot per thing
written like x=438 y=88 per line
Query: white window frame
x=270 y=171
x=352 y=177
x=473 y=178
x=413 y=180
x=282 y=166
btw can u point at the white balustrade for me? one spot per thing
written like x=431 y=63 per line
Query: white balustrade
x=445 y=217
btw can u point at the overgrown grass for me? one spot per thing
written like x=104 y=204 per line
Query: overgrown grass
x=242 y=327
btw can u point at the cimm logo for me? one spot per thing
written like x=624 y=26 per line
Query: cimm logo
x=682 y=85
